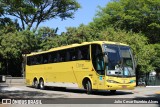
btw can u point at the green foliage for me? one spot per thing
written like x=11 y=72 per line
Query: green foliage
x=156 y=59
x=36 y=11
x=131 y=15
x=7 y=25
x=48 y=38
x=30 y=41
x=12 y=45
x=81 y=34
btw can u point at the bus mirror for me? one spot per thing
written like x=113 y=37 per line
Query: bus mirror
x=105 y=58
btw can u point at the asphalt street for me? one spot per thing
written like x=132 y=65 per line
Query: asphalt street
x=78 y=97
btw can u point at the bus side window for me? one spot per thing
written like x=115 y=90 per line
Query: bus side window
x=39 y=59
x=85 y=52
x=55 y=60
x=67 y=57
x=79 y=56
x=62 y=56
x=45 y=58
x=72 y=54
x=50 y=58
x=34 y=60
x=54 y=57
x=58 y=57
x=28 y=60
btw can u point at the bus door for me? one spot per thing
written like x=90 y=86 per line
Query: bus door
x=98 y=64
x=101 y=74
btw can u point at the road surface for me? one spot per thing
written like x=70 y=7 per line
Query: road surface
x=80 y=96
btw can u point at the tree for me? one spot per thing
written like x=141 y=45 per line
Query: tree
x=83 y=33
x=10 y=53
x=48 y=38
x=32 y=12
x=139 y=16
x=45 y=32
x=156 y=58
x=7 y=23
x=12 y=44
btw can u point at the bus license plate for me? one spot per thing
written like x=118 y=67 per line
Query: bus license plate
x=124 y=86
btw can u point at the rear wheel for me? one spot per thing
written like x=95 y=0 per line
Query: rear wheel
x=36 y=85
x=88 y=87
x=41 y=84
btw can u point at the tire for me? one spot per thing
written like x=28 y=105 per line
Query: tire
x=36 y=85
x=88 y=87
x=41 y=84
x=113 y=91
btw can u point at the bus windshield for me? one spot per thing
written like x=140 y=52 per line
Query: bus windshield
x=120 y=60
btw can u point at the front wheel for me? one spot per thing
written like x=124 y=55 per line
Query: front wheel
x=88 y=87
x=41 y=84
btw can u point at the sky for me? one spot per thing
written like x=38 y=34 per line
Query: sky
x=83 y=16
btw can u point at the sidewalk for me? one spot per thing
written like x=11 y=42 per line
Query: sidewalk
x=13 y=81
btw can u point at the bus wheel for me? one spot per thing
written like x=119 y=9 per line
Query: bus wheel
x=36 y=85
x=113 y=91
x=88 y=87
x=41 y=84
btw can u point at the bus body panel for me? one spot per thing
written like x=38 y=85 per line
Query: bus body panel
x=66 y=72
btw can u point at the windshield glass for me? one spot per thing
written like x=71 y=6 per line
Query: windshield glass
x=120 y=61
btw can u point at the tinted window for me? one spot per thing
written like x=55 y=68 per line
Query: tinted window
x=97 y=58
x=45 y=58
x=71 y=54
x=39 y=59
x=28 y=60
x=83 y=53
x=52 y=57
x=62 y=56
x=67 y=56
x=32 y=60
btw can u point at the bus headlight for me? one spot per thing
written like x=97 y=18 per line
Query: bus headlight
x=111 y=81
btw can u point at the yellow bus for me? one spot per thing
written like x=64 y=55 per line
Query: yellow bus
x=98 y=65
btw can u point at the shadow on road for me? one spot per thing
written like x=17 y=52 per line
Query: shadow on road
x=82 y=91
x=5 y=92
x=9 y=92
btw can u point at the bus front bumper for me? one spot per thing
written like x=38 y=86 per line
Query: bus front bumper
x=114 y=86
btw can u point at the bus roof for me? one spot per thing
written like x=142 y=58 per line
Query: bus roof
x=76 y=45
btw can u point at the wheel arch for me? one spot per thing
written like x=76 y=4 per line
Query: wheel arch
x=41 y=78
x=35 y=78
x=85 y=79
